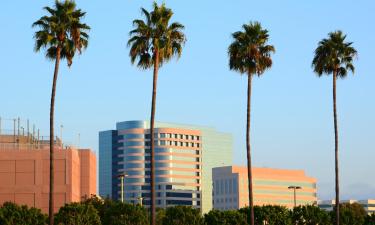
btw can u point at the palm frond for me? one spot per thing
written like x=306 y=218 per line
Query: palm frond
x=249 y=52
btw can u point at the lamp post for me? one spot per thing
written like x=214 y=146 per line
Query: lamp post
x=294 y=193
x=140 y=201
x=122 y=176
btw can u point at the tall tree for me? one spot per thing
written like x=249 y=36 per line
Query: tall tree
x=154 y=41
x=334 y=56
x=250 y=54
x=61 y=33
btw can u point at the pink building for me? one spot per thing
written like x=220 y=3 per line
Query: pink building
x=270 y=187
x=24 y=173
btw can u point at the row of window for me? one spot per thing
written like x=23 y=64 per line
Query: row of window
x=225 y=186
x=179 y=136
x=162 y=143
x=225 y=200
x=162 y=135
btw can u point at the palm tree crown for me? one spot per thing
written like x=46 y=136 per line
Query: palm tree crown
x=249 y=52
x=154 y=36
x=334 y=55
x=61 y=29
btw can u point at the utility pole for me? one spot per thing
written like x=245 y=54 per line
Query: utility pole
x=28 y=131
x=18 y=129
x=61 y=131
x=14 y=130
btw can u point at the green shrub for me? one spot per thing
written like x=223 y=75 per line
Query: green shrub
x=231 y=217
x=310 y=215
x=77 y=214
x=12 y=214
x=182 y=215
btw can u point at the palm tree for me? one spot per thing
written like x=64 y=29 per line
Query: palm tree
x=61 y=33
x=153 y=42
x=334 y=56
x=250 y=54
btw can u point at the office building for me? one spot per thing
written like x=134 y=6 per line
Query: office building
x=24 y=171
x=368 y=204
x=184 y=158
x=270 y=187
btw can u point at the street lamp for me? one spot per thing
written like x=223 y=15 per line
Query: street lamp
x=294 y=193
x=140 y=201
x=122 y=176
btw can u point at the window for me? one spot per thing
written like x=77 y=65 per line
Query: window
x=192 y=137
x=187 y=137
x=176 y=143
x=187 y=144
x=181 y=143
x=197 y=138
x=163 y=135
x=176 y=136
x=162 y=142
x=192 y=144
x=181 y=136
x=198 y=145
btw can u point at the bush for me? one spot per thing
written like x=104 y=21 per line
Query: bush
x=12 y=214
x=350 y=214
x=118 y=213
x=370 y=219
x=77 y=214
x=232 y=217
x=268 y=214
x=182 y=215
x=310 y=215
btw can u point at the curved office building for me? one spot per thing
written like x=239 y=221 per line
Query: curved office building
x=179 y=152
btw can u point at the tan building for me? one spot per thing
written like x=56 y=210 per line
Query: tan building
x=270 y=186
x=24 y=172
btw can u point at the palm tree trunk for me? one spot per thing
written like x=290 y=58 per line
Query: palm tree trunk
x=248 y=148
x=336 y=151
x=152 y=183
x=51 y=138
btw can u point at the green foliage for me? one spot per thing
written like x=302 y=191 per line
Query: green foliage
x=249 y=53
x=370 y=219
x=118 y=213
x=12 y=214
x=350 y=214
x=77 y=214
x=182 y=215
x=231 y=217
x=310 y=215
x=61 y=29
x=334 y=55
x=154 y=36
x=269 y=214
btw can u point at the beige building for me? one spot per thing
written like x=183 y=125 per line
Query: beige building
x=24 y=172
x=368 y=204
x=270 y=187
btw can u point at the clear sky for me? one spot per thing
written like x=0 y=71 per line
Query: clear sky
x=291 y=107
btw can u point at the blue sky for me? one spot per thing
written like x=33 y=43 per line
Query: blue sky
x=292 y=123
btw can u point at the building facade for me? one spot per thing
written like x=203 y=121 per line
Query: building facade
x=24 y=172
x=184 y=158
x=270 y=187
